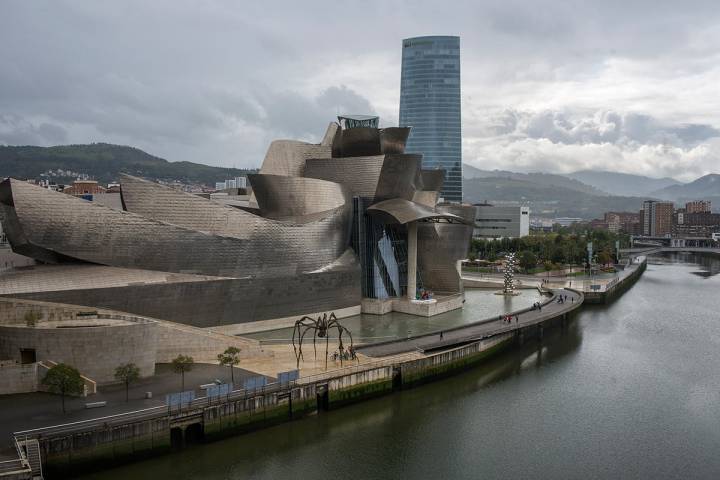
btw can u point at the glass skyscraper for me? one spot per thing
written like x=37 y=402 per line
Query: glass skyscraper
x=430 y=103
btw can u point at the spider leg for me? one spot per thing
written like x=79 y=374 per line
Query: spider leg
x=314 y=344
x=298 y=353
x=327 y=340
x=302 y=338
x=340 y=344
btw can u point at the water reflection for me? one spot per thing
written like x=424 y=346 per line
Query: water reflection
x=709 y=264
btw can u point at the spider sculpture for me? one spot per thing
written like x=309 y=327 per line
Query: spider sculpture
x=320 y=328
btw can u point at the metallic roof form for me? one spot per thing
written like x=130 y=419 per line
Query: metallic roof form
x=404 y=211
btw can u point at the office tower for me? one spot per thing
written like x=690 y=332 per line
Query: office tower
x=430 y=103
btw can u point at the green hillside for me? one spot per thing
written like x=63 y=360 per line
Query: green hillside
x=103 y=162
x=546 y=200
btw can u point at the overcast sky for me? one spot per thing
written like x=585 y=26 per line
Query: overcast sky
x=558 y=86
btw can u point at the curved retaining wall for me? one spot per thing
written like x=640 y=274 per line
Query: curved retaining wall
x=94 y=350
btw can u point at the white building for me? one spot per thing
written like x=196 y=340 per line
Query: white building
x=237 y=182
x=567 y=221
x=501 y=222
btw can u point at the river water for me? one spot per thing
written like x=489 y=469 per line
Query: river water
x=629 y=390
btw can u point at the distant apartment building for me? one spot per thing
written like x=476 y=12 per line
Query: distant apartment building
x=623 y=222
x=657 y=218
x=81 y=188
x=501 y=222
x=698 y=206
x=237 y=182
x=696 y=224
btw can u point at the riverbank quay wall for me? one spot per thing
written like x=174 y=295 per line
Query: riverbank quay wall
x=626 y=280
x=99 y=443
x=96 y=444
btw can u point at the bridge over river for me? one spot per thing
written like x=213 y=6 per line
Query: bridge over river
x=653 y=250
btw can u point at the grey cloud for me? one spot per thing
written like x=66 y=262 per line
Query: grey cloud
x=596 y=127
x=18 y=131
x=216 y=82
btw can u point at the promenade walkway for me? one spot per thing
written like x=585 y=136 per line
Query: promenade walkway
x=480 y=329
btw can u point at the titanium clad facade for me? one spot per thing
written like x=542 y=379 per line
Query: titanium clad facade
x=83 y=231
x=330 y=225
x=430 y=104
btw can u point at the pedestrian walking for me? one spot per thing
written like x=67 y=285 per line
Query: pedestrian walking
x=441 y=335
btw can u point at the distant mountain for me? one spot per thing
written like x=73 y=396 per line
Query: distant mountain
x=546 y=200
x=103 y=162
x=704 y=188
x=622 y=183
x=548 y=179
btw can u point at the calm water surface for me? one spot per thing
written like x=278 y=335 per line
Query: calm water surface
x=479 y=305
x=630 y=390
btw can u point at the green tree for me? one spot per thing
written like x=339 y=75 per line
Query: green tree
x=127 y=373
x=528 y=260
x=182 y=364
x=64 y=380
x=31 y=318
x=230 y=357
x=604 y=257
x=548 y=265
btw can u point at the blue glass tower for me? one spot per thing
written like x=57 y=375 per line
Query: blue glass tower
x=430 y=103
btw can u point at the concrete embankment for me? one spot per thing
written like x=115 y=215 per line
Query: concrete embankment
x=99 y=443
x=625 y=280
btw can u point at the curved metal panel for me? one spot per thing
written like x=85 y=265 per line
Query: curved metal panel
x=287 y=157
x=427 y=198
x=466 y=212
x=79 y=229
x=359 y=174
x=169 y=205
x=332 y=135
x=404 y=211
x=360 y=142
x=209 y=301
x=432 y=180
x=440 y=247
x=399 y=176
x=297 y=198
x=393 y=139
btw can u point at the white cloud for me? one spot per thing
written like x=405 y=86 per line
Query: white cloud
x=630 y=86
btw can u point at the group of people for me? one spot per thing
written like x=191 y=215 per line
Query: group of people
x=563 y=298
x=536 y=306
x=425 y=295
x=509 y=319
x=345 y=354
